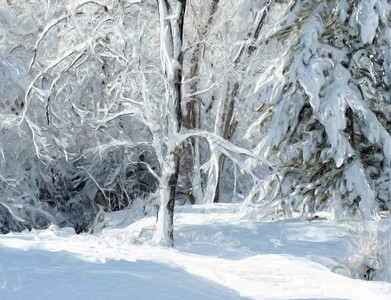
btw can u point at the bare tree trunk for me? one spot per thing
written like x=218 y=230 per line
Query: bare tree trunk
x=191 y=152
x=228 y=120
x=229 y=129
x=171 y=38
x=164 y=233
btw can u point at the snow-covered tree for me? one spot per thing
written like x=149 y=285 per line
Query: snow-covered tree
x=282 y=104
x=329 y=107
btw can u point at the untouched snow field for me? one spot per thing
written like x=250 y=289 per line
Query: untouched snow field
x=217 y=255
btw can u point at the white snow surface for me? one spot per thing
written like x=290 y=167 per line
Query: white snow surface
x=217 y=255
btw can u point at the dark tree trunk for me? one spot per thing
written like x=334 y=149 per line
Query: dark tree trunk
x=229 y=128
x=229 y=122
x=192 y=120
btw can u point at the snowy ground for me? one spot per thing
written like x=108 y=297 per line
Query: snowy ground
x=217 y=255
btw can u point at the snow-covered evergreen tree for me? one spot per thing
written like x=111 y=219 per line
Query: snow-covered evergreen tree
x=328 y=110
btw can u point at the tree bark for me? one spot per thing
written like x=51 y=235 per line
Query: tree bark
x=164 y=233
